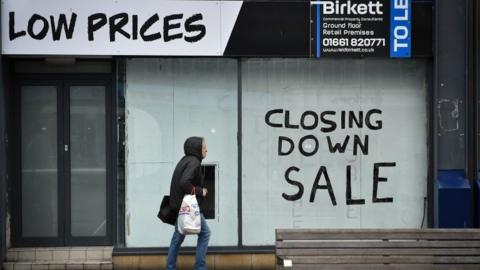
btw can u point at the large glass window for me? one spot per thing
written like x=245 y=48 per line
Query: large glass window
x=332 y=144
x=335 y=143
x=169 y=100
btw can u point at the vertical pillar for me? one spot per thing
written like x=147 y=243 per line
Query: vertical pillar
x=475 y=104
x=120 y=87
x=471 y=105
x=2 y=158
x=453 y=192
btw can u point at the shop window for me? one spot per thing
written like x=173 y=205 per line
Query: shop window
x=169 y=100
x=210 y=178
x=306 y=162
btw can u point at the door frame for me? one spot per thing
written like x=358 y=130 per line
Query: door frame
x=62 y=81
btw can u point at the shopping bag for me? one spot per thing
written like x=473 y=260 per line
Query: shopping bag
x=189 y=221
x=166 y=214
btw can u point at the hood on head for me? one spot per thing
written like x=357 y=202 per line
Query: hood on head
x=193 y=147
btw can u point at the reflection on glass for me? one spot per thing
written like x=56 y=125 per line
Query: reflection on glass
x=39 y=161
x=88 y=160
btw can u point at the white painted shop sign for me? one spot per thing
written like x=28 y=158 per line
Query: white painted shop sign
x=120 y=27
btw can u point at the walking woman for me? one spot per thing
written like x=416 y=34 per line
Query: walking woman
x=188 y=179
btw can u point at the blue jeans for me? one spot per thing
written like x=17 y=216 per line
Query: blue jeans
x=202 y=246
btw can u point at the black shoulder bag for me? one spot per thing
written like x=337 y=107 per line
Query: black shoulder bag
x=166 y=214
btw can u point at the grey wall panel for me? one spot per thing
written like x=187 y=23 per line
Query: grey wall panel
x=2 y=165
x=2 y=159
x=450 y=83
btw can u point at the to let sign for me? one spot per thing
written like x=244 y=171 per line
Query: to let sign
x=348 y=28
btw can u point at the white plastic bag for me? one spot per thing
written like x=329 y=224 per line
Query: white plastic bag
x=189 y=221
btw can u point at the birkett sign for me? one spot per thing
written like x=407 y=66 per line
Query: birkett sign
x=362 y=28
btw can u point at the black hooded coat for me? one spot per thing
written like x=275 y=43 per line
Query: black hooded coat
x=188 y=174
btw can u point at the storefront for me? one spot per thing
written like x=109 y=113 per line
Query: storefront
x=316 y=115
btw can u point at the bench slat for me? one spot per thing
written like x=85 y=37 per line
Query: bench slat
x=358 y=230
x=377 y=244
x=379 y=267
x=383 y=259
x=365 y=234
x=376 y=251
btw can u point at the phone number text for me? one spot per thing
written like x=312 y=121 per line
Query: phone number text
x=354 y=42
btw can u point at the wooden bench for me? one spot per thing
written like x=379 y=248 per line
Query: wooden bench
x=377 y=249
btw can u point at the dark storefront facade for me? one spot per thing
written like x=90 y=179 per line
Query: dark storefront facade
x=322 y=114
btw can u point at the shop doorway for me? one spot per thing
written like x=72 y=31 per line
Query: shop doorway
x=62 y=188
